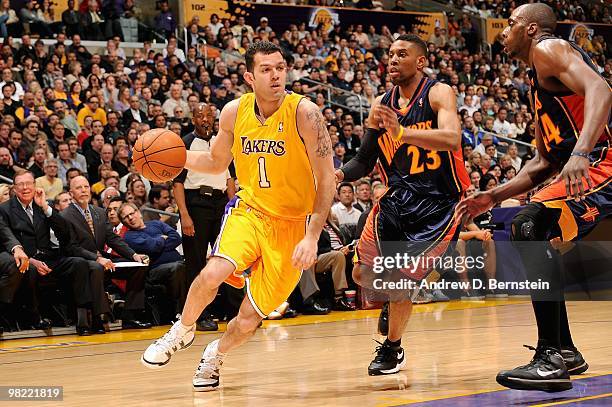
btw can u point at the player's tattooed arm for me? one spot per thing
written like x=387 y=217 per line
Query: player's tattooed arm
x=313 y=131
x=314 y=116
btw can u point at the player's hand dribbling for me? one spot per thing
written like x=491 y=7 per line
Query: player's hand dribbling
x=474 y=205
x=572 y=175
x=187 y=226
x=305 y=253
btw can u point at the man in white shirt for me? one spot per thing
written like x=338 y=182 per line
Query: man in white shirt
x=237 y=29
x=501 y=126
x=172 y=49
x=215 y=25
x=344 y=210
x=175 y=100
x=7 y=77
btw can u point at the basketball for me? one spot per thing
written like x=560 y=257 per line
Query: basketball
x=159 y=155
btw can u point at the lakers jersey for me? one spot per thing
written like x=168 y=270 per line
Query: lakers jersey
x=560 y=116
x=271 y=162
x=423 y=171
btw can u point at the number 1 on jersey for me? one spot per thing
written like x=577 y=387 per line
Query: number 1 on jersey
x=263 y=177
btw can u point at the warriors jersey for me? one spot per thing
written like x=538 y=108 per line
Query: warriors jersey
x=271 y=162
x=560 y=116
x=422 y=171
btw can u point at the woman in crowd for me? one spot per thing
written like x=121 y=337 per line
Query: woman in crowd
x=138 y=190
x=5 y=192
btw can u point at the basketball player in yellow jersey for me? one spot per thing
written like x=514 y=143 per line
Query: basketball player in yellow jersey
x=283 y=158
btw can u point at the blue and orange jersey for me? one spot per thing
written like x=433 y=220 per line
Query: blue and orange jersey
x=560 y=115
x=425 y=172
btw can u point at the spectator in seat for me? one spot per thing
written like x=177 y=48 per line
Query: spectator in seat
x=487 y=140
x=331 y=255
x=105 y=171
x=158 y=241
x=93 y=109
x=27 y=109
x=92 y=22
x=377 y=192
x=513 y=153
x=92 y=156
x=25 y=224
x=78 y=158
x=364 y=196
x=32 y=15
x=50 y=183
x=134 y=113
x=159 y=198
x=38 y=165
x=344 y=210
x=501 y=126
x=8 y=19
x=174 y=100
x=7 y=169
x=91 y=233
x=62 y=201
x=106 y=197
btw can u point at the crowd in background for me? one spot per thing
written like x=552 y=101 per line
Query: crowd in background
x=71 y=115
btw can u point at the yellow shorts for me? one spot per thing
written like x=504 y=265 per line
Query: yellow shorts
x=265 y=244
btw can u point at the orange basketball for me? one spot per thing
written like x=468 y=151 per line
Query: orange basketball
x=159 y=155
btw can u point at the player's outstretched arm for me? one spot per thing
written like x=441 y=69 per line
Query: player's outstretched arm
x=364 y=161
x=447 y=137
x=311 y=126
x=535 y=171
x=220 y=156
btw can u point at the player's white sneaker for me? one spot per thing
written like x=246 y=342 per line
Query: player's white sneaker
x=158 y=354
x=206 y=377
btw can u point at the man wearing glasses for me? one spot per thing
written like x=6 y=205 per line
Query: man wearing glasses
x=25 y=224
x=92 y=108
x=159 y=241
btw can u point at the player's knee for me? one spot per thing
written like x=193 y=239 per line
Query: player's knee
x=526 y=225
x=215 y=272
x=534 y=222
x=247 y=324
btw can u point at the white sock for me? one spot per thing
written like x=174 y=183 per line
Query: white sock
x=215 y=348
x=184 y=327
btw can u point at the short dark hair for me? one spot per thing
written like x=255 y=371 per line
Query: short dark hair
x=415 y=39
x=346 y=184
x=73 y=169
x=155 y=192
x=116 y=199
x=484 y=180
x=541 y=14
x=260 y=47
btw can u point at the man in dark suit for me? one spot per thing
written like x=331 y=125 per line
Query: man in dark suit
x=134 y=113
x=91 y=232
x=25 y=223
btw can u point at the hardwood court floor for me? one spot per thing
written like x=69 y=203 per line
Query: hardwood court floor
x=454 y=351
